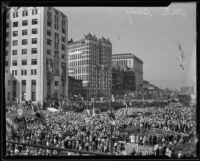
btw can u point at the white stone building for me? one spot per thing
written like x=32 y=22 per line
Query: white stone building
x=36 y=54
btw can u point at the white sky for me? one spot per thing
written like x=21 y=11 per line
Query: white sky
x=153 y=38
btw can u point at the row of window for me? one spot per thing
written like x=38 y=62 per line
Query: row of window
x=33 y=96
x=24 y=51
x=56 y=53
x=23 y=82
x=93 y=80
x=25 y=41
x=24 y=32
x=24 y=23
x=122 y=62
x=24 y=13
x=49 y=42
x=81 y=49
x=24 y=72
x=33 y=62
x=77 y=63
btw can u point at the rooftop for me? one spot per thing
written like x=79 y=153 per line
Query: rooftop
x=126 y=55
x=89 y=36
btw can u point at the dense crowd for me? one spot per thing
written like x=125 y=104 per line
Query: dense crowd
x=174 y=126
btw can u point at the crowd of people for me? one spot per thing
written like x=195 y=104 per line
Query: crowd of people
x=161 y=128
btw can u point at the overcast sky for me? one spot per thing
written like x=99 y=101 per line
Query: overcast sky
x=152 y=35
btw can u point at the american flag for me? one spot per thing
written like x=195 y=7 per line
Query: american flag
x=181 y=57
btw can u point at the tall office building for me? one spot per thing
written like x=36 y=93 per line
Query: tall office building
x=36 y=54
x=131 y=61
x=90 y=59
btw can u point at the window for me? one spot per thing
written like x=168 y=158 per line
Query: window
x=23 y=82
x=7 y=25
x=33 y=71
x=15 y=33
x=8 y=98
x=8 y=82
x=15 y=72
x=34 y=62
x=7 y=34
x=49 y=23
x=23 y=72
x=63 y=47
x=34 y=50
x=56 y=83
x=14 y=52
x=24 y=13
x=24 y=62
x=6 y=52
x=6 y=63
x=48 y=42
x=33 y=82
x=63 y=22
x=48 y=33
x=34 y=11
x=33 y=96
x=15 y=14
x=24 y=51
x=24 y=42
x=48 y=51
x=34 y=41
x=24 y=23
x=15 y=42
x=56 y=53
x=7 y=43
x=63 y=39
x=63 y=30
x=63 y=56
x=24 y=32
x=15 y=24
x=34 y=21
x=34 y=31
x=56 y=22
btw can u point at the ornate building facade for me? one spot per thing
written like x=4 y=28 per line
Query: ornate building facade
x=90 y=59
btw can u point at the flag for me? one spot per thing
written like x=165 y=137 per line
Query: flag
x=82 y=99
x=124 y=101
x=111 y=117
x=181 y=57
x=88 y=113
x=11 y=126
x=38 y=114
x=40 y=117
x=93 y=112
x=113 y=98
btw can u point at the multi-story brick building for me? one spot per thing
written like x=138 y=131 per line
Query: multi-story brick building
x=131 y=61
x=90 y=59
x=36 y=54
x=123 y=79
